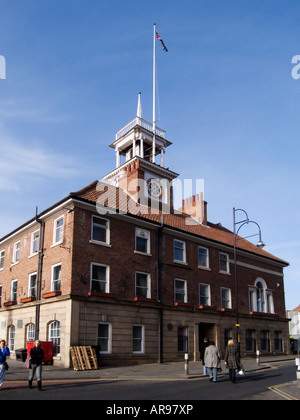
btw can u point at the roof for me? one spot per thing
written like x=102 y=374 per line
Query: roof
x=121 y=201
x=296 y=309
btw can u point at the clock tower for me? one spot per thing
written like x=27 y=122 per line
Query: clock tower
x=140 y=166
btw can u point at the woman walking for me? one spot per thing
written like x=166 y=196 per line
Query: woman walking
x=36 y=356
x=212 y=361
x=232 y=359
x=4 y=352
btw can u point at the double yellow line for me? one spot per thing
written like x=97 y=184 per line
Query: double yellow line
x=282 y=393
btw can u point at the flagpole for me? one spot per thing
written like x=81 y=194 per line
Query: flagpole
x=154 y=92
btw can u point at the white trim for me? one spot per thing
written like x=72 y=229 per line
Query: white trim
x=185 y=290
x=142 y=351
x=55 y=228
x=107 y=276
x=148 y=284
x=184 y=261
x=52 y=274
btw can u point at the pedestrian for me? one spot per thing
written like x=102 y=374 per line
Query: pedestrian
x=203 y=347
x=212 y=361
x=4 y=352
x=232 y=360
x=36 y=356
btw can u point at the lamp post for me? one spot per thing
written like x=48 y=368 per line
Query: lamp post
x=259 y=245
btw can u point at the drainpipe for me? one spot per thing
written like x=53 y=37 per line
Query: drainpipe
x=39 y=276
x=158 y=292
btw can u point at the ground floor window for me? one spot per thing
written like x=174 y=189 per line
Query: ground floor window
x=11 y=338
x=30 y=332
x=264 y=341
x=182 y=340
x=277 y=341
x=138 y=339
x=54 y=336
x=104 y=338
x=250 y=341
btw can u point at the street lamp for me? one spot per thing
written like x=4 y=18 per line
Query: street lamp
x=259 y=245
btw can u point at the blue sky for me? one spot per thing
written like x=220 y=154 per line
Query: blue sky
x=227 y=100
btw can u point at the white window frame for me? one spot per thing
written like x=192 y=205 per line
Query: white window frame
x=16 y=252
x=107 y=276
x=14 y=290
x=141 y=340
x=144 y=234
x=109 y=338
x=206 y=266
x=183 y=261
x=185 y=290
x=107 y=231
x=148 y=284
x=2 y=258
x=56 y=229
x=1 y=289
x=54 y=335
x=227 y=271
x=53 y=281
x=207 y=286
x=11 y=338
x=229 y=306
x=30 y=332
x=29 y=285
x=35 y=239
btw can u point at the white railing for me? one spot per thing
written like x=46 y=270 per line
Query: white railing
x=142 y=123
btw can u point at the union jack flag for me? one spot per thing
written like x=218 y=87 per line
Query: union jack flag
x=162 y=42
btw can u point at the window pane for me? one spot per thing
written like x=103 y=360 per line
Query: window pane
x=141 y=244
x=202 y=257
x=141 y=285
x=178 y=251
x=179 y=291
x=204 y=294
x=137 y=339
x=99 y=230
x=98 y=279
x=103 y=337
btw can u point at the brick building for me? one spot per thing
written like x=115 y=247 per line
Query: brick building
x=114 y=265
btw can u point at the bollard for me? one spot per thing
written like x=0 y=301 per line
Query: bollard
x=298 y=367
x=258 y=358
x=186 y=363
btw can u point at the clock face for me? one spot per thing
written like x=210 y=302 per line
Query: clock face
x=154 y=189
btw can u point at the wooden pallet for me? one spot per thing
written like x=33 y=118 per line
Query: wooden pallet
x=84 y=358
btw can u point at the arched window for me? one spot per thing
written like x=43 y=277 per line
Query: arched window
x=54 y=335
x=11 y=338
x=260 y=297
x=30 y=332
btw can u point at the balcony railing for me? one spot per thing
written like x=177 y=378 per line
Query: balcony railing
x=142 y=123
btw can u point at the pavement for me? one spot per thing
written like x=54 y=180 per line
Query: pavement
x=17 y=375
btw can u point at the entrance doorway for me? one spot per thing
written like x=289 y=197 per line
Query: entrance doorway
x=209 y=331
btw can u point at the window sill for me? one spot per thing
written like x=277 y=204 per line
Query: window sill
x=225 y=272
x=10 y=303
x=207 y=307
x=264 y=314
x=28 y=299
x=180 y=262
x=100 y=243
x=189 y=305
x=51 y=294
x=201 y=267
x=148 y=300
x=98 y=294
x=143 y=253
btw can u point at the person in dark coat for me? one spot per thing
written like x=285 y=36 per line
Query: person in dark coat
x=203 y=347
x=232 y=359
x=35 y=364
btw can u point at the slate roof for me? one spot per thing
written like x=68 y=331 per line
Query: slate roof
x=119 y=200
